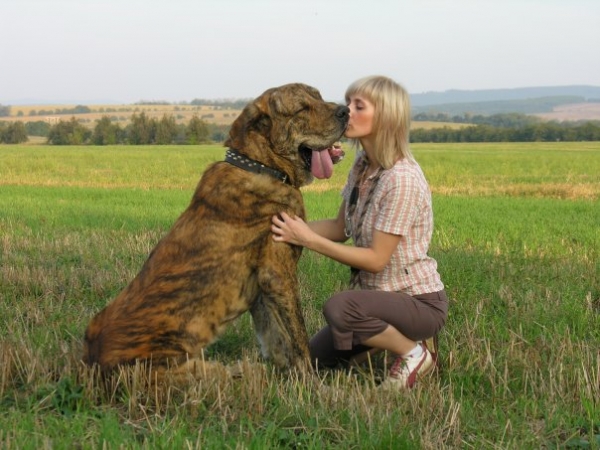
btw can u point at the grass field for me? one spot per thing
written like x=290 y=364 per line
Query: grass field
x=517 y=240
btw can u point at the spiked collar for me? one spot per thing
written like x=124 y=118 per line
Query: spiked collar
x=243 y=162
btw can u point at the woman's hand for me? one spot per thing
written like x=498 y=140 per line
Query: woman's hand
x=292 y=230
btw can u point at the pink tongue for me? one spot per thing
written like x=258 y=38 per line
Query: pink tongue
x=321 y=164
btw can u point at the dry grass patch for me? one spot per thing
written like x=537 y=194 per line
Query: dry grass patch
x=564 y=191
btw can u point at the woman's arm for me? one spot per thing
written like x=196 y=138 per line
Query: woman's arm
x=296 y=231
x=332 y=229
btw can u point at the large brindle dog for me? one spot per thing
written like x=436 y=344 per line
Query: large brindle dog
x=219 y=259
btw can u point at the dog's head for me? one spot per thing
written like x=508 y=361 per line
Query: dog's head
x=290 y=128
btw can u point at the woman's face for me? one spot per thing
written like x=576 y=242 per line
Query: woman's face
x=360 y=124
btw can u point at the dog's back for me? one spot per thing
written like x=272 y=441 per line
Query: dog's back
x=200 y=276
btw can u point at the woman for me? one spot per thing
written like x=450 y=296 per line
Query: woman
x=386 y=209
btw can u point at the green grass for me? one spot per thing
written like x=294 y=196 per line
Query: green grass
x=518 y=246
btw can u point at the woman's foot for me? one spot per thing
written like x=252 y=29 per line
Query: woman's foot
x=407 y=369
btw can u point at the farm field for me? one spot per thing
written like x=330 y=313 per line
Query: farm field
x=517 y=240
x=122 y=113
x=182 y=113
x=576 y=111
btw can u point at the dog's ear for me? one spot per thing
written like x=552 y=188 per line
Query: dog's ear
x=255 y=117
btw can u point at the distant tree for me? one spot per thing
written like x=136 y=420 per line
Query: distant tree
x=4 y=111
x=218 y=133
x=589 y=131
x=106 y=132
x=13 y=133
x=81 y=109
x=38 y=128
x=152 y=102
x=141 y=130
x=181 y=134
x=197 y=131
x=68 y=133
x=223 y=103
x=166 y=130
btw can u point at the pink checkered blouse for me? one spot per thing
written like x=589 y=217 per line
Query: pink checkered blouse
x=401 y=205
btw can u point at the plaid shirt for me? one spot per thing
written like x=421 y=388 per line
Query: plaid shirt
x=401 y=205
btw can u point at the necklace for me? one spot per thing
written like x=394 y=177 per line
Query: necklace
x=350 y=209
x=353 y=201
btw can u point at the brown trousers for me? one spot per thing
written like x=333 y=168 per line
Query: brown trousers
x=355 y=316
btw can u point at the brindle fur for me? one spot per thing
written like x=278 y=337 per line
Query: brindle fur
x=219 y=259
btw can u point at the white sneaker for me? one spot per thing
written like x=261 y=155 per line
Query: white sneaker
x=407 y=369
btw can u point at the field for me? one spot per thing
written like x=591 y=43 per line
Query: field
x=517 y=240
x=576 y=111
x=182 y=113
x=122 y=113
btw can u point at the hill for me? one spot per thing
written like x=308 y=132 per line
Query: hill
x=542 y=101
x=492 y=95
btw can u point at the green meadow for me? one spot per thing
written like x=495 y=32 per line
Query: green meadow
x=517 y=240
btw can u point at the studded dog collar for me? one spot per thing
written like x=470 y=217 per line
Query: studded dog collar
x=243 y=162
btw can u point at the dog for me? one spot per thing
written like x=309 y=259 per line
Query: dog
x=219 y=259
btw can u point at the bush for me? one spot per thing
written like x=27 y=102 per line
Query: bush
x=141 y=130
x=13 y=133
x=4 y=111
x=107 y=133
x=69 y=133
x=38 y=128
x=197 y=131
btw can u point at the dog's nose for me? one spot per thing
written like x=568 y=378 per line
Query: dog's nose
x=342 y=112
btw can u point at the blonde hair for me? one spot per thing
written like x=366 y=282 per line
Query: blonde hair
x=391 y=119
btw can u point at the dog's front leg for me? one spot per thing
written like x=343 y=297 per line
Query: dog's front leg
x=278 y=319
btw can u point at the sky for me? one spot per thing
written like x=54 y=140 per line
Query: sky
x=125 y=51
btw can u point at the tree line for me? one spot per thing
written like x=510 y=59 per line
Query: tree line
x=504 y=120
x=539 y=132
x=142 y=130
x=79 y=109
x=510 y=127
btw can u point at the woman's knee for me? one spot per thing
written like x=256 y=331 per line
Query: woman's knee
x=336 y=309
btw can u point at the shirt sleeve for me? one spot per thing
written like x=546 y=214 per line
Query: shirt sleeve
x=398 y=207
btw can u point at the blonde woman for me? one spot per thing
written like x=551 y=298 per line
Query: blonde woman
x=397 y=300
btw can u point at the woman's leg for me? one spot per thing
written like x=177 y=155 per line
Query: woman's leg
x=324 y=355
x=392 y=340
x=388 y=320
